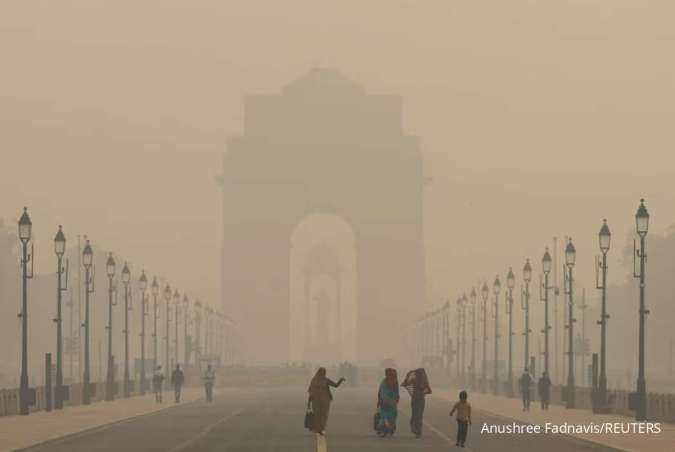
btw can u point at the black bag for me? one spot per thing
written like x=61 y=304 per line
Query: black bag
x=376 y=421
x=309 y=416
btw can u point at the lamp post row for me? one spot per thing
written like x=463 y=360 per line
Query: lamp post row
x=26 y=393
x=639 y=397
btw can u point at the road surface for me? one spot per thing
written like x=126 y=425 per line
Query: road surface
x=266 y=420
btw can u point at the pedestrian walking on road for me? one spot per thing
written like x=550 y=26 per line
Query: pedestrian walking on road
x=320 y=398
x=387 y=403
x=177 y=380
x=526 y=382
x=544 y=386
x=463 y=409
x=209 y=380
x=157 y=380
x=416 y=383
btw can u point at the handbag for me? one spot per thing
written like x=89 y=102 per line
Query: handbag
x=376 y=421
x=309 y=416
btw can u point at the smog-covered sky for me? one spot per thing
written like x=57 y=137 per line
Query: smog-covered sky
x=536 y=118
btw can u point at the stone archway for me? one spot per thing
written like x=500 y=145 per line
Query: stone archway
x=323 y=145
x=323 y=304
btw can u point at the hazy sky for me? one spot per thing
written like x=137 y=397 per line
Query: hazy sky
x=536 y=118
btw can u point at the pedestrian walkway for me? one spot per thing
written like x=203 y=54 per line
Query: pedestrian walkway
x=17 y=432
x=558 y=415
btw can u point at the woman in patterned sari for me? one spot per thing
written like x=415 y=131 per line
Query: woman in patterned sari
x=387 y=402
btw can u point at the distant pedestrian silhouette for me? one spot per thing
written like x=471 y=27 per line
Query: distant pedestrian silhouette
x=177 y=380
x=157 y=380
x=209 y=380
x=544 y=386
x=525 y=384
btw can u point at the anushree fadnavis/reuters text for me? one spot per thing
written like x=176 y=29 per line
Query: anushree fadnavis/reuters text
x=602 y=428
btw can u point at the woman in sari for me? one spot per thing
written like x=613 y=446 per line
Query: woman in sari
x=417 y=385
x=320 y=398
x=387 y=402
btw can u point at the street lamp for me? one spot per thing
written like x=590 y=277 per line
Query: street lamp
x=473 y=337
x=462 y=310
x=510 y=284
x=496 y=287
x=59 y=250
x=126 y=279
x=198 y=331
x=604 y=239
x=110 y=383
x=570 y=259
x=642 y=227
x=155 y=315
x=143 y=285
x=485 y=293
x=186 y=338
x=87 y=262
x=167 y=299
x=25 y=232
x=176 y=302
x=525 y=306
x=458 y=351
x=546 y=264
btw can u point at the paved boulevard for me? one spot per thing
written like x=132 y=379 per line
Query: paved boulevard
x=271 y=420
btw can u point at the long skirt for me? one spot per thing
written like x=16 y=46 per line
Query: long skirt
x=320 y=408
x=388 y=418
x=417 y=415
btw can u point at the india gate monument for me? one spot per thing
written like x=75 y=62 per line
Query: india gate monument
x=327 y=250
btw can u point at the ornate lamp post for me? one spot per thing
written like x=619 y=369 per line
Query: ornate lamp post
x=642 y=227
x=110 y=378
x=60 y=250
x=458 y=356
x=546 y=265
x=496 y=287
x=186 y=337
x=473 y=337
x=87 y=262
x=143 y=285
x=510 y=284
x=462 y=311
x=604 y=239
x=176 y=311
x=525 y=306
x=155 y=315
x=485 y=293
x=167 y=299
x=126 y=278
x=570 y=259
x=25 y=232
x=198 y=332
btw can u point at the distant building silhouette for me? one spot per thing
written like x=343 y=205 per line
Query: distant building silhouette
x=322 y=146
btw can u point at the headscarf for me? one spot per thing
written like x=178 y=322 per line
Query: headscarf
x=318 y=381
x=391 y=378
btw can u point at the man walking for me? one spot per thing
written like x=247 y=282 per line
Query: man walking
x=177 y=380
x=525 y=386
x=209 y=380
x=157 y=380
x=544 y=386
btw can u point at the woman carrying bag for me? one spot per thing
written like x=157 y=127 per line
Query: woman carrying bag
x=320 y=397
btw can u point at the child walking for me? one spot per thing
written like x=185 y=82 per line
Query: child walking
x=463 y=409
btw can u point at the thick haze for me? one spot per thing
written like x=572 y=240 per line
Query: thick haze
x=536 y=118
